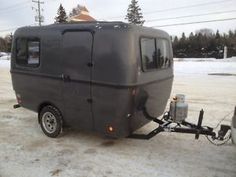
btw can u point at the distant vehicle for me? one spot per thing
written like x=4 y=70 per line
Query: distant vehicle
x=93 y=75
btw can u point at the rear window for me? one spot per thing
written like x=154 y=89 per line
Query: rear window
x=28 y=52
x=155 y=53
x=148 y=53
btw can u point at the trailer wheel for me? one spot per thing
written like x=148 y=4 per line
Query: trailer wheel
x=50 y=120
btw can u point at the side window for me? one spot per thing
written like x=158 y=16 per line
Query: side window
x=28 y=52
x=163 y=54
x=148 y=51
x=155 y=53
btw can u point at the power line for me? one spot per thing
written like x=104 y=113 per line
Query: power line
x=207 y=21
x=14 y=6
x=181 y=7
x=13 y=10
x=188 y=16
x=177 y=24
x=190 y=6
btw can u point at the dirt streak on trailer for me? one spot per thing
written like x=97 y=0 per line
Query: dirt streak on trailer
x=92 y=75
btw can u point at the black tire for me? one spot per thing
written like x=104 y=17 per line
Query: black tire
x=50 y=120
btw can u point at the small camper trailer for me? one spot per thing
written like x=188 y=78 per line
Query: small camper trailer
x=93 y=76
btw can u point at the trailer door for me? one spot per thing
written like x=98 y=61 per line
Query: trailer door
x=77 y=56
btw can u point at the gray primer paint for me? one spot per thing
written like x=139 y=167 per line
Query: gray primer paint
x=103 y=62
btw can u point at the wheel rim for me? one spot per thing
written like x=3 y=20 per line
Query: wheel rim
x=49 y=122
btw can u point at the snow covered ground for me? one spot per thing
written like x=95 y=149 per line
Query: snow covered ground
x=4 y=63
x=5 y=56
x=26 y=152
x=198 y=66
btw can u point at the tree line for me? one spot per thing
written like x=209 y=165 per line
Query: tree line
x=204 y=44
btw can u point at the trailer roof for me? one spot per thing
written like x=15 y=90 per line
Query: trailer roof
x=89 y=25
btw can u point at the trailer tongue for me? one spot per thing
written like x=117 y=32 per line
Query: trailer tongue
x=174 y=121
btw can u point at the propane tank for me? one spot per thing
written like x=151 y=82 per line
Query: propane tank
x=233 y=127
x=178 y=108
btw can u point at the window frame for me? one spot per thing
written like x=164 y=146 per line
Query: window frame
x=28 y=39
x=141 y=54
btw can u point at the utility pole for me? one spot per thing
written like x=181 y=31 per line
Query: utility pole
x=38 y=18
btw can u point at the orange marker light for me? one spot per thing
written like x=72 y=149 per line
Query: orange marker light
x=110 y=129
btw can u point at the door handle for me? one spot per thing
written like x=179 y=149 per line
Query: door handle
x=65 y=78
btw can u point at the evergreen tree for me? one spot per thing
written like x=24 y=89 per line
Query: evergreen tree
x=134 y=14
x=182 y=41
x=61 y=15
x=191 y=36
x=176 y=40
x=183 y=38
x=231 y=34
x=217 y=34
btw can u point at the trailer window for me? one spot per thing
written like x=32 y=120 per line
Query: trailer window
x=148 y=50
x=27 y=52
x=155 y=53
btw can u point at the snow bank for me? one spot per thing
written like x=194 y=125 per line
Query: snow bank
x=5 y=56
x=5 y=60
x=232 y=59
x=3 y=53
x=4 y=63
x=196 y=66
x=194 y=59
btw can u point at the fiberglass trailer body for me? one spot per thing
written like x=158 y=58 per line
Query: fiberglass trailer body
x=92 y=76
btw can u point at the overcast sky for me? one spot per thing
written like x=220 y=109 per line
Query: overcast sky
x=16 y=13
